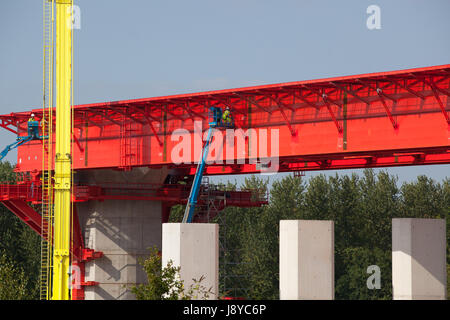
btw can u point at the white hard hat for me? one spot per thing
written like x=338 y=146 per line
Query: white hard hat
x=32 y=114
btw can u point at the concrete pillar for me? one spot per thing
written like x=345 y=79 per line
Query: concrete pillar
x=419 y=259
x=306 y=260
x=195 y=248
x=122 y=229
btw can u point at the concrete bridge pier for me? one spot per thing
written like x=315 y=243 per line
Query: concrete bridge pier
x=123 y=230
x=194 y=247
x=306 y=260
x=419 y=267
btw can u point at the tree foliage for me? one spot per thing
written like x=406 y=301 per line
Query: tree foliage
x=13 y=282
x=19 y=244
x=164 y=282
x=362 y=208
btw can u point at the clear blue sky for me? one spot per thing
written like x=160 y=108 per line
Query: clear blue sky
x=143 y=48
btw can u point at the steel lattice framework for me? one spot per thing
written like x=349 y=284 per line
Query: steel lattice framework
x=372 y=120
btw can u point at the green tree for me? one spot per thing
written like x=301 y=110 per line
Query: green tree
x=345 y=210
x=235 y=224
x=317 y=203
x=352 y=283
x=260 y=237
x=18 y=242
x=176 y=213
x=424 y=199
x=13 y=282
x=379 y=204
x=164 y=282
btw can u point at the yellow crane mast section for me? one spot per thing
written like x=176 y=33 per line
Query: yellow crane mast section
x=63 y=162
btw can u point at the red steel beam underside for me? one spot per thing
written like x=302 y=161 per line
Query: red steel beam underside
x=373 y=120
x=33 y=219
x=25 y=213
x=13 y=196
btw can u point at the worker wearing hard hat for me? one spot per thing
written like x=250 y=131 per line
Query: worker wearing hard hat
x=226 y=116
x=33 y=127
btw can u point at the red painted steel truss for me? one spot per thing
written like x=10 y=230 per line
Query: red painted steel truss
x=285 y=98
x=137 y=132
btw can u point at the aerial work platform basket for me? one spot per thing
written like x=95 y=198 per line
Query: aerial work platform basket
x=216 y=119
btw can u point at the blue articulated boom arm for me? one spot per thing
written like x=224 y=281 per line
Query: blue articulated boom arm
x=33 y=134
x=193 y=196
x=14 y=145
x=215 y=114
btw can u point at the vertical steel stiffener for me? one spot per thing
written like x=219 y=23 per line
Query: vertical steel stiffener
x=62 y=188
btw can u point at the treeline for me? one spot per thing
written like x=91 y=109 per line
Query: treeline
x=361 y=207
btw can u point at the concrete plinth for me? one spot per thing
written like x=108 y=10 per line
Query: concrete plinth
x=419 y=259
x=195 y=248
x=306 y=260
x=122 y=229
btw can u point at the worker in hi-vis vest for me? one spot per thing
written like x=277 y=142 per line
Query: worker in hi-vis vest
x=226 y=116
x=33 y=127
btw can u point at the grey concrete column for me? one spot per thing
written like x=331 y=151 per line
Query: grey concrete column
x=194 y=247
x=122 y=229
x=419 y=259
x=306 y=260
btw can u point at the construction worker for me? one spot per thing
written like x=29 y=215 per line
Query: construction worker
x=33 y=127
x=226 y=116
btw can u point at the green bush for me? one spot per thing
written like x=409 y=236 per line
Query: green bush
x=164 y=283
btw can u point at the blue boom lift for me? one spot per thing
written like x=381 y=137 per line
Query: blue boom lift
x=33 y=134
x=216 y=121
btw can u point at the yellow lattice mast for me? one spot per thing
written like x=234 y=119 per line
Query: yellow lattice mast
x=47 y=153
x=63 y=161
x=56 y=202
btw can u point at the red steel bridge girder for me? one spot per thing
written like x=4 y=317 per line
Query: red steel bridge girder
x=374 y=137
x=329 y=121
